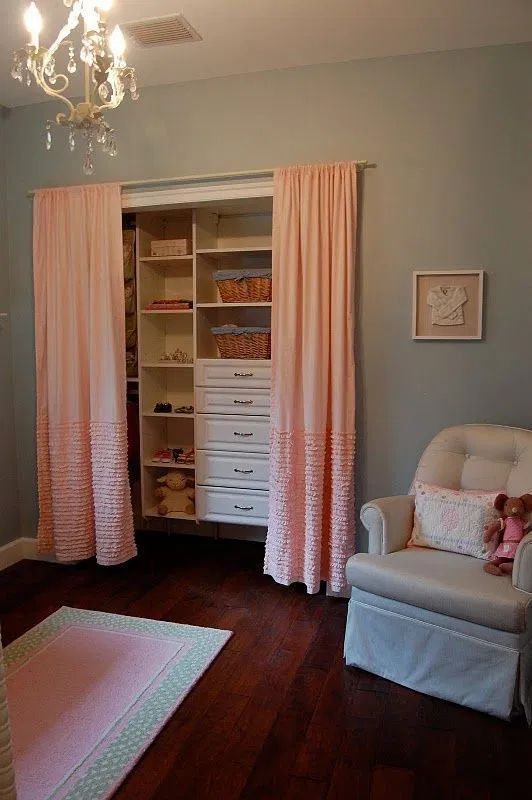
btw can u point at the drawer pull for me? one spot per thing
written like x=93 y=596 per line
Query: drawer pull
x=243 y=471
x=243 y=374
x=239 y=433
x=244 y=508
x=243 y=402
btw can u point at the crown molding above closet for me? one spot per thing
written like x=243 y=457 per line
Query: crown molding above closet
x=160 y=197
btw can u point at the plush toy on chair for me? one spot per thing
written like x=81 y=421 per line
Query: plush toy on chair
x=176 y=494
x=506 y=533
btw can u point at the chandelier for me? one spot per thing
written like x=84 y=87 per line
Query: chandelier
x=107 y=77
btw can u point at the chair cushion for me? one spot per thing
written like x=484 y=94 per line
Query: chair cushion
x=447 y=583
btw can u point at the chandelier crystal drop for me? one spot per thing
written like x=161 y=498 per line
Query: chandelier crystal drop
x=107 y=77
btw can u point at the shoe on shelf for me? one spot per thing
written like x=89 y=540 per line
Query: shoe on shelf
x=186 y=456
x=176 y=453
x=163 y=408
x=184 y=410
x=166 y=456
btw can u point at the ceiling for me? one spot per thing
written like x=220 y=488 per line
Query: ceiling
x=252 y=35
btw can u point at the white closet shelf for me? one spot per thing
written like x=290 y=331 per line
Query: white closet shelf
x=166 y=465
x=168 y=416
x=152 y=512
x=132 y=380
x=167 y=311
x=165 y=365
x=221 y=251
x=164 y=259
x=233 y=305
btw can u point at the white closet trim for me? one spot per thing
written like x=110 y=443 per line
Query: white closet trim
x=196 y=192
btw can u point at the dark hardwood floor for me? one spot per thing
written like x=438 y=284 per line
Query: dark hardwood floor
x=277 y=715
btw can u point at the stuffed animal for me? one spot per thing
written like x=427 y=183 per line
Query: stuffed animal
x=513 y=525
x=176 y=494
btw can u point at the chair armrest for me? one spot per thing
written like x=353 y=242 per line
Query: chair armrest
x=522 y=569
x=389 y=522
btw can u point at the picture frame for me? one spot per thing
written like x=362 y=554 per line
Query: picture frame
x=447 y=305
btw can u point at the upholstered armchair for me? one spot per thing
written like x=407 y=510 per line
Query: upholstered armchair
x=435 y=621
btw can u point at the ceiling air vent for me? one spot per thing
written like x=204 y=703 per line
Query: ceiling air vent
x=161 y=31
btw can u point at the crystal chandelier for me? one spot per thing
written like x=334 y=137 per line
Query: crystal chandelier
x=106 y=74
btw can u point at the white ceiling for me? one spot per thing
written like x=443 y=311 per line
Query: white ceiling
x=253 y=35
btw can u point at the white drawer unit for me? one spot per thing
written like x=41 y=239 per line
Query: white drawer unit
x=233 y=372
x=253 y=402
x=239 y=434
x=236 y=506
x=236 y=470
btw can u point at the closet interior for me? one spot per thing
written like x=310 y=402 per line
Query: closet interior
x=201 y=370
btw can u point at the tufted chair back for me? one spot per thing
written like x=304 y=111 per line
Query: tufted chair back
x=485 y=457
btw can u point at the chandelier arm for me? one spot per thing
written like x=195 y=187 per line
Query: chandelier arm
x=110 y=104
x=116 y=81
x=71 y=25
x=57 y=94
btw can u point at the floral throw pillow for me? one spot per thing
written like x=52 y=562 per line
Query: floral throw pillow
x=451 y=519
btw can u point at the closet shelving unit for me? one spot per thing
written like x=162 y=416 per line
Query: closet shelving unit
x=230 y=234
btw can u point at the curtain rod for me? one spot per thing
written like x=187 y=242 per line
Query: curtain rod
x=252 y=173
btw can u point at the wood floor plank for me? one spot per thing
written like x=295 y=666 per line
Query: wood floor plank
x=388 y=782
x=318 y=753
x=275 y=762
x=349 y=783
x=305 y=789
x=436 y=765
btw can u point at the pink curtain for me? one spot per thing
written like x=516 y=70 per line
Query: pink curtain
x=311 y=525
x=84 y=497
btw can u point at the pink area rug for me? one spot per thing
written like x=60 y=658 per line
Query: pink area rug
x=88 y=692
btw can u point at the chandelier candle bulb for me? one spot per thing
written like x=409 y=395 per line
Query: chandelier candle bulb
x=33 y=23
x=117 y=43
x=104 y=5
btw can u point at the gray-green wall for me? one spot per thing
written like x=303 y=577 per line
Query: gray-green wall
x=450 y=133
x=9 y=506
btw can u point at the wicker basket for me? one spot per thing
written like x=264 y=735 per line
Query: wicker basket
x=244 y=285
x=235 y=342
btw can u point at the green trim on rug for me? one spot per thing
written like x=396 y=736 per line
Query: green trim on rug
x=121 y=754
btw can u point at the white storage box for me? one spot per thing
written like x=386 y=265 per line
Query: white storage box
x=171 y=247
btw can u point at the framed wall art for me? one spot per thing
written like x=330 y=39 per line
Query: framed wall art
x=447 y=304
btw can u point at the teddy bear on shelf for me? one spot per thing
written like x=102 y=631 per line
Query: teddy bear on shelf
x=506 y=532
x=176 y=494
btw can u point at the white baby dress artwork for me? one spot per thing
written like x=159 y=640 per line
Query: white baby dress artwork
x=447 y=303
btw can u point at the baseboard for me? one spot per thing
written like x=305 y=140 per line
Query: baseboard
x=25 y=547
x=12 y=552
